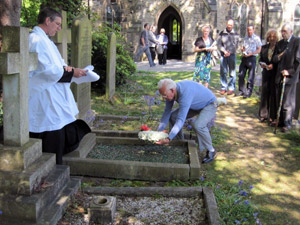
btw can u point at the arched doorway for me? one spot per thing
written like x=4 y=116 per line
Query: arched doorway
x=171 y=21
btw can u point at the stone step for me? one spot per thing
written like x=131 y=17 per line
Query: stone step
x=20 y=158
x=56 y=210
x=86 y=144
x=30 y=208
x=24 y=183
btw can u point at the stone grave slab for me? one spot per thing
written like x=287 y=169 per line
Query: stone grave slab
x=208 y=212
x=126 y=169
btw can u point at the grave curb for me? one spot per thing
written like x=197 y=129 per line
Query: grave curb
x=121 y=169
x=212 y=213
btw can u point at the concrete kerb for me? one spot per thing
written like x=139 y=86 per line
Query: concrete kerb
x=212 y=213
x=122 y=169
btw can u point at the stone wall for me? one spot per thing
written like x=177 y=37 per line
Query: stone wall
x=132 y=14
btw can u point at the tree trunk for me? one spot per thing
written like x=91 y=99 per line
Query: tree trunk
x=10 y=11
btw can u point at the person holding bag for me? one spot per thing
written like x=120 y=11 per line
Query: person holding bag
x=204 y=46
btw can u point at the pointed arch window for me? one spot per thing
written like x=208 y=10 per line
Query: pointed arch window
x=297 y=20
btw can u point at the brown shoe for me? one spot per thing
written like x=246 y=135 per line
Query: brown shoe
x=223 y=92
x=230 y=92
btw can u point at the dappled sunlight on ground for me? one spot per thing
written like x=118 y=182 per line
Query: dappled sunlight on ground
x=255 y=154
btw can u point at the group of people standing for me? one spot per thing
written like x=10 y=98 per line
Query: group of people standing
x=228 y=43
x=153 y=44
x=278 y=60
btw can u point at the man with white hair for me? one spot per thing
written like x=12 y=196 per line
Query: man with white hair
x=194 y=100
x=287 y=55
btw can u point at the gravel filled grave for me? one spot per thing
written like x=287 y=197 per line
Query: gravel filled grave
x=161 y=210
x=141 y=211
x=143 y=153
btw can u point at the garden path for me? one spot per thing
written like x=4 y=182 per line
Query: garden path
x=172 y=65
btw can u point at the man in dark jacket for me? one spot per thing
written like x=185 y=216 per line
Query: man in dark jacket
x=227 y=42
x=287 y=54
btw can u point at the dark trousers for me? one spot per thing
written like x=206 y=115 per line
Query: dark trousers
x=162 y=58
x=267 y=107
x=247 y=64
x=288 y=103
x=153 y=53
x=64 y=140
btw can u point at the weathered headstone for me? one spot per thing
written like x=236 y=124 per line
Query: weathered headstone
x=63 y=37
x=16 y=62
x=81 y=57
x=111 y=67
x=23 y=167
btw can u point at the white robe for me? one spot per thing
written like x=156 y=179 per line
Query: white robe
x=51 y=104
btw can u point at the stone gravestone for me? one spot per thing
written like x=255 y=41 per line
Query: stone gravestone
x=15 y=60
x=111 y=67
x=23 y=168
x=63 y=37
x=81 y=57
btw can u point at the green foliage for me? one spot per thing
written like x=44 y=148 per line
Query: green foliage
x=31 y=8
x=125 y=65
x=29 y=13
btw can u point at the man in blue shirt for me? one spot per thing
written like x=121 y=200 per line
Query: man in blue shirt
x=195 y=101
x=251 y=48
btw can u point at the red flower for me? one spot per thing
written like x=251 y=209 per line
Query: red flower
x=144 y=127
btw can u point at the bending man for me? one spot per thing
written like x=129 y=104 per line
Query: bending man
x=194 y=100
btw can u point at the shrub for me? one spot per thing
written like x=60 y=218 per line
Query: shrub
x=125 y=65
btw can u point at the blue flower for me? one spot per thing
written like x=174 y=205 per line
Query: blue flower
x=258 y=222
x=243 y=193
x=241 y=182
x=246 y=202
x=255 y=214
x=189 y=127
x=1 y=212
x=125 y=117
x=202 y=178
x=251 y=187
x=236 y=201
x=237 y=222
x=144 y=113
x=101 y=121
x=244 y=219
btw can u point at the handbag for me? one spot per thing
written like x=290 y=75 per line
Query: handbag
x=159 y=49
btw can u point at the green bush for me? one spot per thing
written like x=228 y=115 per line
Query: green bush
x=125 y=65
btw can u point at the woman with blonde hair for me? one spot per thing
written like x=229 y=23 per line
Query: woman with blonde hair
x=203 y=46
x=163 y=42
x=267 y=108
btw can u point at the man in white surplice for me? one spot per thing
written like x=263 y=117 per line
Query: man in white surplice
x=52 y=108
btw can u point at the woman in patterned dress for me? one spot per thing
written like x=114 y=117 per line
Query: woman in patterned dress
x=203 y=46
